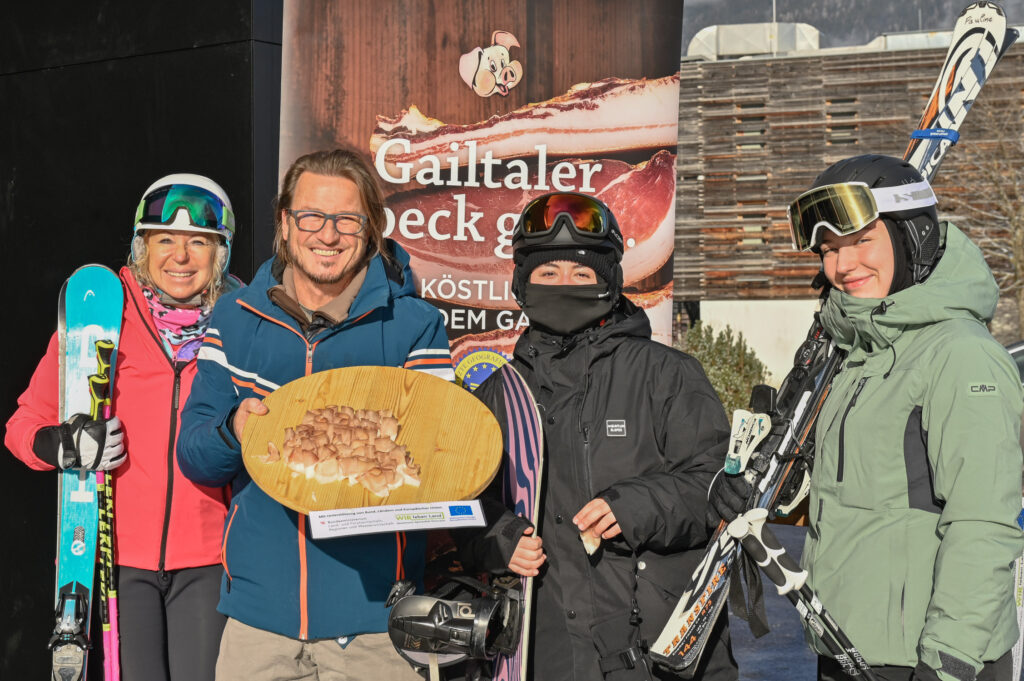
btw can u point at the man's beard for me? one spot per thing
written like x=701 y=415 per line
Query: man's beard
x=321 y=279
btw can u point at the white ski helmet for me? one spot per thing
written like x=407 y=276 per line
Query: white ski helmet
x=189 y=203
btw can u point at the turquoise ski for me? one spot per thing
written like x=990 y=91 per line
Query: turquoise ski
x=89 y=324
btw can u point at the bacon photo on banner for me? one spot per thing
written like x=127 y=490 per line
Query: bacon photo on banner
x=611 y=115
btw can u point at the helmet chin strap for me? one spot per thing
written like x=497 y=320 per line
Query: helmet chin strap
x=168 y=299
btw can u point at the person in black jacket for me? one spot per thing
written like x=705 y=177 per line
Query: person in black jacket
x=633 y=435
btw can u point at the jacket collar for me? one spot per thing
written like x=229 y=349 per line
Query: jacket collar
x=333 y=313
x=625 y=321
x=136 y=301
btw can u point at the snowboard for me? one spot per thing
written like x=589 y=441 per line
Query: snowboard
x=89 y=324
x=522 y=486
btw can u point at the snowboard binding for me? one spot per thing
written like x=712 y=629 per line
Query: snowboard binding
x=463 y=619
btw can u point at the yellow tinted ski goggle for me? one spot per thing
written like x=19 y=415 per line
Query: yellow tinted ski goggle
x=849 y=207
x=843 y=208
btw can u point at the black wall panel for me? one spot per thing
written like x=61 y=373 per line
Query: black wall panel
x=97 y=100
x=54 y=34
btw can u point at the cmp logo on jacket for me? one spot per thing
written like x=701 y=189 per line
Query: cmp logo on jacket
x=983 y=389
x=615 y=428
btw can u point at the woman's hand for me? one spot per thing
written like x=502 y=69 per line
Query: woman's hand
x=528 y=556
x=250 y=405
x=597 y=519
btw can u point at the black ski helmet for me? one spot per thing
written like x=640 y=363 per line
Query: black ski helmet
x=918 y=227
x=602 y=254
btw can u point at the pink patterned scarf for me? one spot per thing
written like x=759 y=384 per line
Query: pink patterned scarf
x=182 y=328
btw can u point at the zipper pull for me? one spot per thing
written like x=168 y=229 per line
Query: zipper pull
x=586 y=435
x=860 y=386
x=177 y=385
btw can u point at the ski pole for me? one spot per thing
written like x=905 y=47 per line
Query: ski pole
x=100 y=398
x=790 y=581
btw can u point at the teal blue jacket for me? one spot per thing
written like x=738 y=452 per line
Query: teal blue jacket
x=277 y=578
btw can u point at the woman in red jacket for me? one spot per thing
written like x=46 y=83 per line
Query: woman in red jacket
x=167 y=528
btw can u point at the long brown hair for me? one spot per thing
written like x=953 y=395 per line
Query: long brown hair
x=346 y=163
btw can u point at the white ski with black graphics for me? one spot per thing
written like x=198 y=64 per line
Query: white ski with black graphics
x=980 y=39
x=777 y=461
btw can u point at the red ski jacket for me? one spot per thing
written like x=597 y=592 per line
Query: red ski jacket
x=162 y=520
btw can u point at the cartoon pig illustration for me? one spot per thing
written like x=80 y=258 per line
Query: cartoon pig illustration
x=492 y=70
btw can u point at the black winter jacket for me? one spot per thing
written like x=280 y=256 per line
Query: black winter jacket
x=638 y=424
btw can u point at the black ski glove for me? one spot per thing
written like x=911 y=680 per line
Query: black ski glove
x=923 y=672
x=727 y=498
x=81 y=442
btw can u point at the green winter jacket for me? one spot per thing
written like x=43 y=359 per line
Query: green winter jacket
x=917 y=477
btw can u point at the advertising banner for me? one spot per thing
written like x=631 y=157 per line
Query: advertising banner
x=470 y=109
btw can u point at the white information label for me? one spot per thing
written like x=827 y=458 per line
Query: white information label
x=396 y=518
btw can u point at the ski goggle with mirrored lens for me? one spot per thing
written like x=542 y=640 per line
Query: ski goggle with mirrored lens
x=584 y=220
x=850 y=207
x=205 y=211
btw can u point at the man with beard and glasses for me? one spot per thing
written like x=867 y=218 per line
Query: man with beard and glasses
x=633 y=434
x=336 y=294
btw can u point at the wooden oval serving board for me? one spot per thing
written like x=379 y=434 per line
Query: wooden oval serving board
x=451 y=435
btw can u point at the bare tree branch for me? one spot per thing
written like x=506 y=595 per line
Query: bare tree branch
x=990 y=201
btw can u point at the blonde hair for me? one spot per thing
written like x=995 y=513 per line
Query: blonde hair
x=346 y=163
x=138 y=263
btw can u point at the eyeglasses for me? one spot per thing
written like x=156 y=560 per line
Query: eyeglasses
x=313 y=221
x=205 y=209
x=588 y=220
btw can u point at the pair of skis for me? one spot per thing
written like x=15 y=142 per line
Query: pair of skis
x=774 y=444
x=89 y=324
x=776 y=462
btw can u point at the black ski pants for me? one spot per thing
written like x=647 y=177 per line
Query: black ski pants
x=829 y=670
x=169 y=624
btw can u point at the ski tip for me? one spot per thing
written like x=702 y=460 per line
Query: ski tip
x=982 y=4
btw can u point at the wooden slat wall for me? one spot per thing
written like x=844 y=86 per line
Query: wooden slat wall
x=753 y=134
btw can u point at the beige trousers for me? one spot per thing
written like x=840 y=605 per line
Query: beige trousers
x=250 y=654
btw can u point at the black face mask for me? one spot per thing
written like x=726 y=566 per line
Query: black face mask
x=565 y=310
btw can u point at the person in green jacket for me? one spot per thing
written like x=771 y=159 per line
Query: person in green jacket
x=916 y=484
